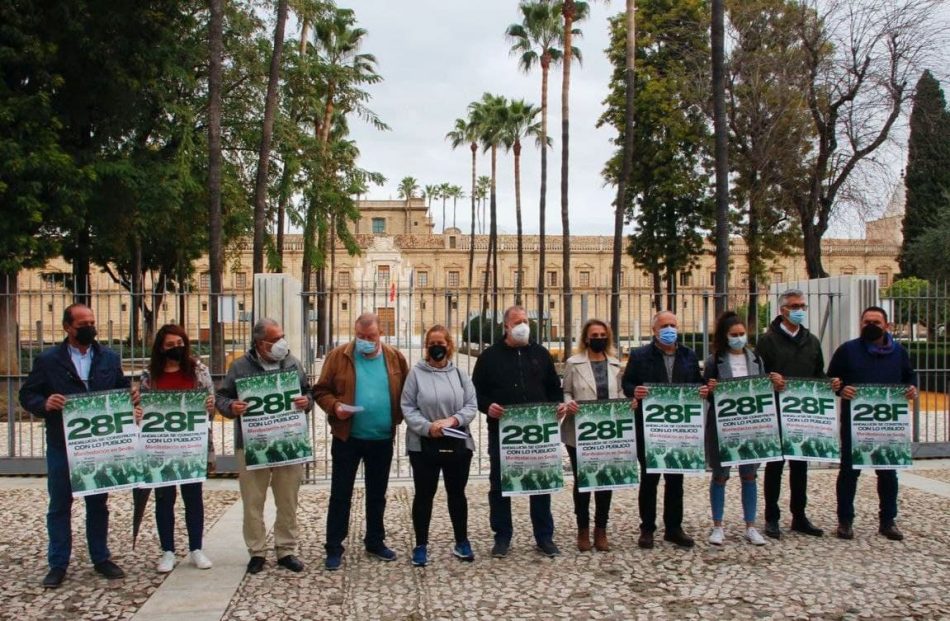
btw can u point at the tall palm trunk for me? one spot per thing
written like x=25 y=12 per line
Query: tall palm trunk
x=215 y=254
x=721 y=154
x=471 y=250
x=267 y=133
x=542 y=201
x=625 y=170
x=518 y=278
x=493 y=231
x=443 y=212
x=569 y=9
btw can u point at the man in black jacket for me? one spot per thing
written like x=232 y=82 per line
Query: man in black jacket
x=512 y=371
x=660 y=362
x=790 y=350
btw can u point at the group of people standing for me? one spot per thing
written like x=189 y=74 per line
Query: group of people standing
x=367 y=389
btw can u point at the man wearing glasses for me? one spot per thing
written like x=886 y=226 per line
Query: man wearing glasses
x=790 y=350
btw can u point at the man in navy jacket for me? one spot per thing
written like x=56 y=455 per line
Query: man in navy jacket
x=77 y=365
x=661 y=362
x=873 y=358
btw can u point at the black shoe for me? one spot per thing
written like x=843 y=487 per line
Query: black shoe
x=255 y=565
x=844 y=531
x=501 y=549
x=548 y=549
x=291 y=562
x=772 y=530
x=805 y=527
x=678 y=537
x=109 y=569
x=54 y=578
x=891 y=532
x=646 y=540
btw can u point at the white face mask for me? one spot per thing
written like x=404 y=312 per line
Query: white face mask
x=279 y=350
x=521 y=333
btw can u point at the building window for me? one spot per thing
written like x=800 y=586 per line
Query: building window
x=124 y=307
x=484 y=280
x=422 y=304
x=847 y=271
x=712 y=278
x=778 y=277
x=453 y=242
x=344 y=305
x=552 y=279
x=204 y=306
x=382 y=275
x=379 y=226
x=551 y=304
x=49 y=307
x=240 y=280
x=241 y=306
x=883 y=279
x=584 y=279
x=453 y=279
x=455 y=304
x=204 y=281
x=422 y=279
x=343 y=278
x=686 y=279
x=518 y=278
x=164 y=306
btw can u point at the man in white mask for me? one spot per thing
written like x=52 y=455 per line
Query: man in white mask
x=269 y=352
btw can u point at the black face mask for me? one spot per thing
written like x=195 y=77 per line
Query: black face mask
x=437 y=352
x=871 y=332
x=598 y=346
x=176 y=353
x=85 y=335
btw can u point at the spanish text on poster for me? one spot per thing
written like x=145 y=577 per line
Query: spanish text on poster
x=606 y=446
x=809 y=421
x=673 y=429
x=530 y=443
x=747 y=421
x=101 y=442
x=275 y=432
x=174 y=437
x=880 y=427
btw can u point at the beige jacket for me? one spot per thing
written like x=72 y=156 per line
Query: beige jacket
x=579 y=385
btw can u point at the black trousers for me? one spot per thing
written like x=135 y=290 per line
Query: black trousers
x=798 y=484
x=672 y=492
x=376 y=456
x=582 y=499
x=425 y=478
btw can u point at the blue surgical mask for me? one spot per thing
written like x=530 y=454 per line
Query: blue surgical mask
x=365 y=347
x=738 y=342
x=797 y=316
x=667 y=336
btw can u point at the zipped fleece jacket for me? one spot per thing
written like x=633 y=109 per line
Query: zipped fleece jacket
x=791 y=356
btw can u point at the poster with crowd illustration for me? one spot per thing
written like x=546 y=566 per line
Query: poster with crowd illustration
x=275 y=432
x=673 y=428
x=530 y=450
x=606 y=446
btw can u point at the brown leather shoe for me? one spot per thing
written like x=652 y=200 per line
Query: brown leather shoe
x=646 y=540
x=844 y=531
x=892 y=532
x=678 y=537
x=583 y=539
x=600 y=540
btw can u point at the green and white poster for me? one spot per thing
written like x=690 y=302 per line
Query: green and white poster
x=606 y=446
x=673 y=424
x=530 y=445
x=809 y=421
x=174 y=437
x=880 y=427
x=275 y=432
x=101 y=442
x=747 y=421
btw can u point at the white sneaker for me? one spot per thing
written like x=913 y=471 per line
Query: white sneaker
x=753 y=537
x=717 y=536
x=199 y=560
x=166 y=563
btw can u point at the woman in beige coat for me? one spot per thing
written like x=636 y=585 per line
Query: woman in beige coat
x=593 y=373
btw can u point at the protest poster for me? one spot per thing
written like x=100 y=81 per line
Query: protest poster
x=880 y=427
x=101 y=442
x=174 y=437
x=673 y=424
x=809 y=418
x=747 y=421
x=606 y=446
x=529 y=440
x=275 y=432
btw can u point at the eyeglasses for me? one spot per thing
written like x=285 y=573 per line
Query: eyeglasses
x=797 y=306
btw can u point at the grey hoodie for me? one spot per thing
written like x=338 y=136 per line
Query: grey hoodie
x=431 y=394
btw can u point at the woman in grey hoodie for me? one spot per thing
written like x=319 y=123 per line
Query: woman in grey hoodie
x=438 y=395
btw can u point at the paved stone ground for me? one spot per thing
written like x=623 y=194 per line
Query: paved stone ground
x=84 y=595
x=797 y=578
x=935 y=473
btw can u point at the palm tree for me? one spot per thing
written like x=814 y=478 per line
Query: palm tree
x=465 y=132
x=484 y=186
x=539 y=40
x=444 y=189
x=455 y=192
x=408 y=187
x=572 y=11
x=215 y=252
x=721 y=154
x=431 y=191
x=521 y=120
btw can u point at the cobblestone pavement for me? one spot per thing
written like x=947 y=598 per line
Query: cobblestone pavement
x=797 y=578
x=938 y=474
x=84 y=595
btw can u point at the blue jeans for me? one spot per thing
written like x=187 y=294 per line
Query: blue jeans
x=376 y=455
x=194 y=515
x=499 y=507
x=58 y=516
x=717 y=491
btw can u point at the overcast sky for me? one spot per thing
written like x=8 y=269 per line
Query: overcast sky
x=437 y=56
